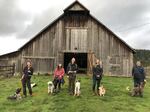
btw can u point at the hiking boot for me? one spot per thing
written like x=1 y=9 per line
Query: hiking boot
x=70 y=93
x=141 y=95
x=97 y=93
x=24 y=96
x=94 y=93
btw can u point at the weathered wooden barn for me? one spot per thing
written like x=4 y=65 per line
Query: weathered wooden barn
x=76 y=33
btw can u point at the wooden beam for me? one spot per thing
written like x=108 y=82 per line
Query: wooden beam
x=38 y=57
x=76 y=27
x=73 y=51
x=115 y=65
x=3 y=59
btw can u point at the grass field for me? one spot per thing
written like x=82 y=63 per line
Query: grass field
x=116 y=99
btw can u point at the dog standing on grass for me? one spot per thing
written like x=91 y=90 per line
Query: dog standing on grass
x=77 y=88
x=50 y=87
x=102 y=90
x=136 y=90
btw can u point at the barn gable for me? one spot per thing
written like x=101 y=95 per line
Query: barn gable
x=76 y=6
x=79 y=34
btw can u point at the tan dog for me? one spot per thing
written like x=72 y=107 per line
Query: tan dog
x=102 y=90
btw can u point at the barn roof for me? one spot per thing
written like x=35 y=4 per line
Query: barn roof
x=10 y=54
x=70 y=7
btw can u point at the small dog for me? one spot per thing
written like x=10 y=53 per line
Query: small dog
x=50 y=87
x=136 y=91
x=102 y=90
x=77 y=88
x=16 y=96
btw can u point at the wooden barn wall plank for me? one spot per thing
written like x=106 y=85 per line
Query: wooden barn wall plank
x=109 y=46
x=46 y=45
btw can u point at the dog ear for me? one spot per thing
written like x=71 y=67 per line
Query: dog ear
x=18 y=90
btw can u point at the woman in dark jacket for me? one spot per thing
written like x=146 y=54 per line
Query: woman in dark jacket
x=27 y=73
x=72 y=69
x=138 y=74
x=97 y=76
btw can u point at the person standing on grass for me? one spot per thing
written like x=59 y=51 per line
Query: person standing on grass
x=72 y=69
x=58 y=77
x=26 y=77
x=138 y=74
x=97 y=76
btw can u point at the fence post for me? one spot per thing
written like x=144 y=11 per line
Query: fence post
x=13 y=69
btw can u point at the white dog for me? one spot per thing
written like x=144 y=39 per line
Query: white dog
x=50 y=87
x=77 y=88
x=102 y=90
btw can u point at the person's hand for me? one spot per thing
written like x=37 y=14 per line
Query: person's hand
x=75 y=72
x=69 y=72
x=67 y=76
x=60 y=77
x=22 y=77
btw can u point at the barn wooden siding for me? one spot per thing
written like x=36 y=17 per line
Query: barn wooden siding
x=11 y=59
x=77 y=29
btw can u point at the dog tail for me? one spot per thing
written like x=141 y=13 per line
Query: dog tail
x=128 y=88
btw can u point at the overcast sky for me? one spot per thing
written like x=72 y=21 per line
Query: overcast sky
x=20 y=20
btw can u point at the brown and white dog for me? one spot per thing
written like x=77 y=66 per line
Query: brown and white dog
x=102 y=90
x=77 y=88
x=136 y=90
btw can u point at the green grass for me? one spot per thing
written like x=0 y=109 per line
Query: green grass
x=115 y=100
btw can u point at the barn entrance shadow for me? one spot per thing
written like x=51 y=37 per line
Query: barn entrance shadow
x=81 y=60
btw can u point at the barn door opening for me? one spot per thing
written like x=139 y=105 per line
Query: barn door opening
x=81 y=60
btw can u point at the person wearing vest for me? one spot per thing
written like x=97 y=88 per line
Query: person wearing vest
x=97 y=76
x=26 y=77
x=72 y=69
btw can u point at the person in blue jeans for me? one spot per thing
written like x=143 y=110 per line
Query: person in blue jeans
x=97 y=76
x=138 y=74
